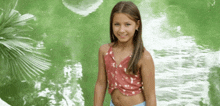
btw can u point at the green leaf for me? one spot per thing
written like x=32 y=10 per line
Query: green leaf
x=24 y=18
x=20 y=57
x=8 y=30
x=13 y=16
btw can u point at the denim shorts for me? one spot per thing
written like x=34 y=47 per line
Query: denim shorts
x=141 y=104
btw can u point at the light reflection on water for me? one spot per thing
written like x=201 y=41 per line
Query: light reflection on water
x=84 y=8
x=182 y=67
x=72 y=93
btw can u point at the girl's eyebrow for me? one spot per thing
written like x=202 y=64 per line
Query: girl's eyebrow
x=122 y=22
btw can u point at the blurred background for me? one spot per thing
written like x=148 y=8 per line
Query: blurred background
x=49 y=50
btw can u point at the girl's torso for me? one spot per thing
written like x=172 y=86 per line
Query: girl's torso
x=117 y=97
x=122 y=100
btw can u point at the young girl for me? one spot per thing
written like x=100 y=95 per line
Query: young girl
x=125 y=66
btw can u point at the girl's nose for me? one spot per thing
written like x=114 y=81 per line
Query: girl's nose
x=122 y=29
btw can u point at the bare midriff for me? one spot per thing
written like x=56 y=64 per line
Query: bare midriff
x=119 y=99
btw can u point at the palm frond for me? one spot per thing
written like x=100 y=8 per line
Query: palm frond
x=20 y=57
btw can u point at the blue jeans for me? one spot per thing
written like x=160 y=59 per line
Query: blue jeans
x=141 y=104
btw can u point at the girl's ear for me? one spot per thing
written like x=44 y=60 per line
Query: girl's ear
x=138 y=24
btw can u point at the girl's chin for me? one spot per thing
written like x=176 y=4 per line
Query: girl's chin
x=122 y=40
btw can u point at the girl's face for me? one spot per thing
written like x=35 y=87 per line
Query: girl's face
x=123 y=27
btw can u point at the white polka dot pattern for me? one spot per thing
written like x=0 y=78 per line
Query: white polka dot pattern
x=133 y=92
x=118 y=78
x=131 y=80
x=113 y=64
x=120 y=65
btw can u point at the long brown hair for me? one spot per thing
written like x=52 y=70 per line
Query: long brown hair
x=129 y=8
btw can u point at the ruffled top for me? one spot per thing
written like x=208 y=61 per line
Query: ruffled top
x=118 y=78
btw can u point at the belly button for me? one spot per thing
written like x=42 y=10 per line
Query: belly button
x=118 y=98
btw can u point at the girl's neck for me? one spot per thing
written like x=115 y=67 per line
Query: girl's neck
x=127 y=45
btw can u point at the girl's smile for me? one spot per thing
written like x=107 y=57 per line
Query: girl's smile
x=123 y=27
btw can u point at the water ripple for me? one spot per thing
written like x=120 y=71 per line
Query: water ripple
x=182 y=66
x=84 y=7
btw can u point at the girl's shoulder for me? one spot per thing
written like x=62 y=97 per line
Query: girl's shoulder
x=146 y=52
x=146 y=56
x=104 y=48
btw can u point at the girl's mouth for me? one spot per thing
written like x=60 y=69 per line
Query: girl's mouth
x=122 y=36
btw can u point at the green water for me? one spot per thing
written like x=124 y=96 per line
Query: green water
x=198 y=18
x=70 y=36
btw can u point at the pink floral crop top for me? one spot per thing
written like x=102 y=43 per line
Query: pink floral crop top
x=118 y=78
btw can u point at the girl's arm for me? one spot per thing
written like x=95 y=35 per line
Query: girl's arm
x=101 y=83
x=148 y=78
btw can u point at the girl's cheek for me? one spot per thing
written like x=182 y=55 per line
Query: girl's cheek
x=115 y=29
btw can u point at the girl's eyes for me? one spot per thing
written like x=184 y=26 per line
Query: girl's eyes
x=125 y=24
x=128 y=24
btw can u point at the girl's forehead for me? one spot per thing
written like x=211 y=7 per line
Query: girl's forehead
x=122 y=16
